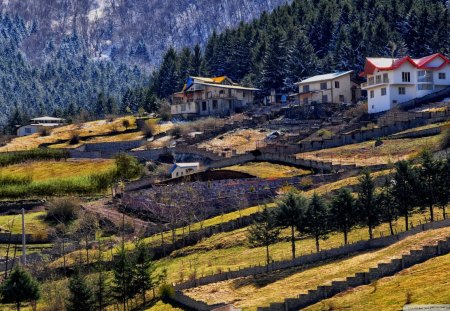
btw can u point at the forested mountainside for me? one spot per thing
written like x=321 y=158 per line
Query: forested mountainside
x=310 y=37
x=134 y=31
x=65 y=80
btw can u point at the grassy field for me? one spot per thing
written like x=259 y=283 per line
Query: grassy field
x=99 y=127
x=251 y=292
x=34 y=222
x=425 y=283
x=367 y=154
x=268 y=170
x=45 y=170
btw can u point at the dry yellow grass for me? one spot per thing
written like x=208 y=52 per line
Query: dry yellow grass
x=92 y=128
x=367 y=154
x=251 y=292
x=45 y=170
x=268 y=170
x=34 y=222
x=425 y=283
x=239 y=140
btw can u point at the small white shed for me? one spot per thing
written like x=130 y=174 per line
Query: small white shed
x=183 y=169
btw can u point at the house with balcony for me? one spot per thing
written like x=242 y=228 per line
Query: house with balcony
x=218 y=96
x=337 y=87
x=39 y=124
x=392 y=81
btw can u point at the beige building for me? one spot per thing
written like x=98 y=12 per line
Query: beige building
x=183 y=169
x=335 y=88
x=218 y=96
x=38 y=124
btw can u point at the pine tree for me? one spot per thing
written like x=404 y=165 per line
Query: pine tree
x=185 y=66
x=197 y=59
x=273 y=65
x=264 y=231
x=167 y=78
x=368 y=212
x=123 y=278
x=317 y=221
x=291 y=211
x=143 y=269
x=80 y=295
x=428 y=180
x=345 y=215
x=404 y=189
x=19 y=287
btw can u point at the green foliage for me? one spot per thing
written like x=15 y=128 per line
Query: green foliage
x=62 y=210
x=264 y=231
x=20 y=286
x=143 y=269
x=127 y=167
x=14 y=180
x=80 y=297
x=317 y=219
x=369 y=214
x=11 y=158
x=405 y=189
x=166 y=291
x=345 y=215
x=428 y=178
x=123 y=277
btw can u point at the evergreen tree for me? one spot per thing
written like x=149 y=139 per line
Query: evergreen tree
x=185 y=66
x=343 y=209
x=443 y=185
x=123 y=278
x=368 y=212
x=317 y=222
x=386 y=204
x=404 y=189
x=264 y=231
x=80 y=295
x=428 y=179
x=197 y=59
x=167 y=78
x=273 y=65
x=291 y=214
x=19 y=287
x=144 y=268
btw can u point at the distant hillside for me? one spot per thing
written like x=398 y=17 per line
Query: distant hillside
x=135 y=31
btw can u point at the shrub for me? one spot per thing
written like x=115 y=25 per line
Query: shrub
x=126 y=123
x=74 y=138
x=127 y=167
x=324 y=133
x=62 y=210
x=147 y=131
x=166 y=291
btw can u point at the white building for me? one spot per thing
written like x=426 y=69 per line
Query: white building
x=38 y=124
x=183 y=169
x=337 y=87
x=392 y=81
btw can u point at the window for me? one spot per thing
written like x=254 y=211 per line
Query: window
x=378 y=79
x=406 y=76
x=385 y=78
x=341 y=98
x=401 y=91
x=371 y=81
x=424 y=76
x=442 y=76
x=27 y=130
x=325 y=99
x=183 y=107
x=383 y=91
x=244 y=94
x=214 y=104
x=305 y=88
x=203 y=106
x=424 y=87
x=372 y=94
x=306 y=101
x=323 y=86
x=336 y=84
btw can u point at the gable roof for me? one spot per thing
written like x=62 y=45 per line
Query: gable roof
x=46 y=118
x=383 y=63
x=184 y=165
x=325 y=77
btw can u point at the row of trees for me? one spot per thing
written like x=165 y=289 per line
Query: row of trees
x=311 y=37
x=423 y=186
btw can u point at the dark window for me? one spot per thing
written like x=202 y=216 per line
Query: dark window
x=305 y=88
x=325 y=99
x=406 y=77
x=341 y=98
x=323 y=86
x=372 y=94
x=383 y=91
x=203 y=106
x=214 y=104
x=442 y=76
x=336 y=84
x=401 y=91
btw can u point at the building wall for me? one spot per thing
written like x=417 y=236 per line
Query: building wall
x=332 y=93
x=181 y=171
x=22 y=131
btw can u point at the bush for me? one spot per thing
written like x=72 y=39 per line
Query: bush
x=127 y=167
x=62 y=210
x=44 y=132
x=74 y=138
x=324 y=133
x=166 y=291
x=147 y=131
x=126 y=123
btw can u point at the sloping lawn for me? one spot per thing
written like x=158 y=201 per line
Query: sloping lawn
x=268 y=170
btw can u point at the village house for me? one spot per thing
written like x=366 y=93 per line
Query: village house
x=39 y=124
x=183 y=169
x=218 y=96
x=337 y=88
x=392 y=81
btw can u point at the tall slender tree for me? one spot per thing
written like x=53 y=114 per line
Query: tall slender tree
x=368 y=212
x=344 y=213
x=317 y=222
x=80 y=295
x=404 y=189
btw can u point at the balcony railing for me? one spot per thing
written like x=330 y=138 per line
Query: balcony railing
x=385 y=80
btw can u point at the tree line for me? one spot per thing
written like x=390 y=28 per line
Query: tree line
x=309 y=37
x=411 y=187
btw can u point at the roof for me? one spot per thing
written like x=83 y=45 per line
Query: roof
x=325 y=77
x=211 y=80
x=46 y=118
x=236 y=87
x=184 y=165
x=383 y=63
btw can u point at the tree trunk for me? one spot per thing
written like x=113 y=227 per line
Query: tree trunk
x=406 y=222
x=390 y=227
x=317 y=244
x=345 y=237
x=293 y=241
x=143 y=296
x=443 y=212
x=370 y=232
x=18 y=306
x=267 y=255
x=431 y=212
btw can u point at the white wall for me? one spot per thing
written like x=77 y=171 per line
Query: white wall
x=28 y=130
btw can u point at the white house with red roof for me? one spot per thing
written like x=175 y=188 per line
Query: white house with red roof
x=392 y=81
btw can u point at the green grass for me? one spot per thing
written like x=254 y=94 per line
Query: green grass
x=425 y=283
x=251 y=292
x=34 y=154
x=34 y=223
x=268 y=170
